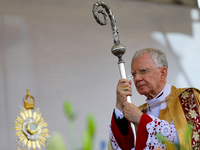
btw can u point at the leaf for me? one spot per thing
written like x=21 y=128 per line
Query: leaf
x=188 y=133
x=87 y=141
x=89 y=133
x=91 y=126
x=56 y=142
x=168 y=144
x=68 y=110
x=161 y=138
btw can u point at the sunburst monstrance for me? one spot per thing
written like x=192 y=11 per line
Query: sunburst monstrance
x=30 y=127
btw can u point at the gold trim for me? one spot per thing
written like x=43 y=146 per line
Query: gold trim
x=29 y=144
x=45 y=134
x=30 y=113
x=41 y=142
x=19 y=133
x=38 y=117
x=17 y=123
x=37 y=144
x=41 y=121
x=35 y=114
x=45 y=130
x=26 y=113
x=34 y=145
x=21 y=137
x=23 y=115
x=18 y=128
x=19 y=119
x=25 y=141
x=44 y=124
x=31 y=130
x=42 y=138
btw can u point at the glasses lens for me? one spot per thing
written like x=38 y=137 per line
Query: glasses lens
x=130 y=77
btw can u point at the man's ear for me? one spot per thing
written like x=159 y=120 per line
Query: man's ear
x=163 y=74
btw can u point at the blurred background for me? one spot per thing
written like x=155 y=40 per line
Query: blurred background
x=56 y=49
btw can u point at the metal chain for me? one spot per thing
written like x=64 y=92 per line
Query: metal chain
x=153 y=105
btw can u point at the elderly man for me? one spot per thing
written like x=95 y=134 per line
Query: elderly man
x=168 y=111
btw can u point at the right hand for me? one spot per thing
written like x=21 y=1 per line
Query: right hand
x=121 y=94
x=131 y=112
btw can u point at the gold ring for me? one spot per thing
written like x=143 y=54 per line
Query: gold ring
x=125 y=88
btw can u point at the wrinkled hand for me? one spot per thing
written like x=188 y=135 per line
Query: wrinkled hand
x=131 y=112
x=121 y=94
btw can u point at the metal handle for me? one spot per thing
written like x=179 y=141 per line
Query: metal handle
x=117 y=49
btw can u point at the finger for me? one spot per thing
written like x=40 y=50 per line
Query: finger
x=126 y=104
x=123 y=80
x=125 y=94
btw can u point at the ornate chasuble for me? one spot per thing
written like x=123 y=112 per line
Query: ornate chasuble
x=183 y=108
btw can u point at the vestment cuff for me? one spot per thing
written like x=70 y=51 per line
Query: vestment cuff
x=124 y=142
x=142 y=133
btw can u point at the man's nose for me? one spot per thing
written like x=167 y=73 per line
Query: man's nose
x=137 y=77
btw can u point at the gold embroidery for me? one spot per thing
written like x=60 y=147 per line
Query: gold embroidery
x=196 y=136
x=193 y=114
x=185 y=94
x=190 y=109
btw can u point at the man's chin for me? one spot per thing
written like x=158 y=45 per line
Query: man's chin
x=142 y=91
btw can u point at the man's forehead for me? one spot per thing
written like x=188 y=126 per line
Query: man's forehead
x=143 y=61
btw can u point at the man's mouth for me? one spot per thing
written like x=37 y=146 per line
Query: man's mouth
x=140 y=86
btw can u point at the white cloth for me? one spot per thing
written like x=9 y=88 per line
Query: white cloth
x=156 y=110
x=161 y=127
x=119 y=114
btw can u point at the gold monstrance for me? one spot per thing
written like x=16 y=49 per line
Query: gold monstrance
x=30 y=127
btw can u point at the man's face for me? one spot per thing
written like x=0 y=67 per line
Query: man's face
x=147 y=78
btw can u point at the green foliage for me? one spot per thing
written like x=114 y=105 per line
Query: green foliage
x=56 y=141
x=188 y=133
x=89 y=133
x=87 y=141
x=68 y=110
x=168 y=144
x=91 y=126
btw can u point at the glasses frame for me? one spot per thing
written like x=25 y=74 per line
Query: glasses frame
x=142 y=72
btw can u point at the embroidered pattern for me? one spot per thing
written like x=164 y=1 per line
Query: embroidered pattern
x=114 y=143
x=189 y=106
x=162 y=127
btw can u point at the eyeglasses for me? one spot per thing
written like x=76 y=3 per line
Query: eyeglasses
x=142 y=72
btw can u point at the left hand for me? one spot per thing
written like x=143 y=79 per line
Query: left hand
x=131 y=112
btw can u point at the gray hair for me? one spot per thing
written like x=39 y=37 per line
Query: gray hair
x=159 y=57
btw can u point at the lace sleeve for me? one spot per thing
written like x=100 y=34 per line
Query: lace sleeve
x=157 y=126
